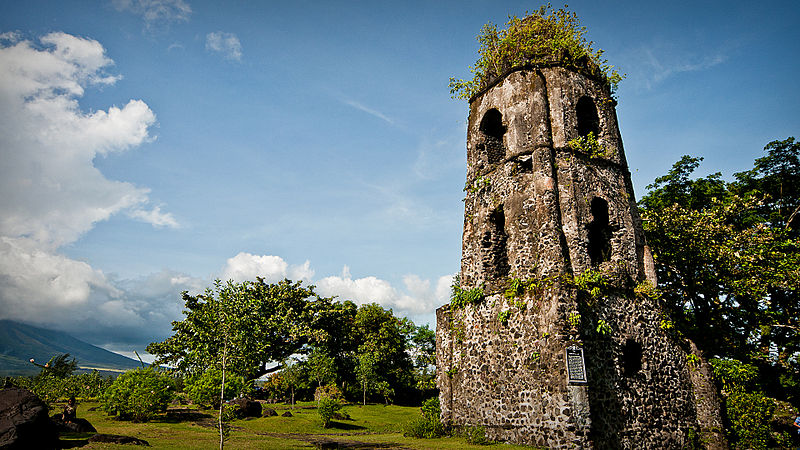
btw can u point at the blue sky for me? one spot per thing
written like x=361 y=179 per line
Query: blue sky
x=150 y=146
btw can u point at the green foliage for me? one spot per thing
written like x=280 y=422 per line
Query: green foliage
x=544 y=37
x=574 y=319
x=728 y=259
x=326 y=408
x=139 y=394
x=256 y=321
x=291 y=378
x=603 y=327
x=750 y=414
x=734 y=375
x=478 y=184
x=748 y=410
x=460 y=298
x=367 y=372
x=52 y=389
x=593 y=282
x=429 y=426
x=645 y=289
x=589 y=145
x=322 y=368
x=328 y=391
x=476 y=435
x=204 y=389
x=59 y=366
x=502 y=317
x=423 y=354
x=514 y=288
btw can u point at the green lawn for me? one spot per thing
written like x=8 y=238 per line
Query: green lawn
x=372 y=426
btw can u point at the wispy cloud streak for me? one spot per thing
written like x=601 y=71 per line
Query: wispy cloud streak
x=368 y=110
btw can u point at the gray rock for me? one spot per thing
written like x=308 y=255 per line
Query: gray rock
x=24 y=423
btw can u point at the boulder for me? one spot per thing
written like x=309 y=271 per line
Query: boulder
x=246 y=407
x=24 y=422
x=287 y=414
x=76 y=425
x=268 y=412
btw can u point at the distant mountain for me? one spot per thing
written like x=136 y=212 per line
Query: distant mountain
x=19 y=343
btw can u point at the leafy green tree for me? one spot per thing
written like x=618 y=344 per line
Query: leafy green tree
x=204 y=389
x=423 y=354
x=321 y=367
x=268 y=322
x=139 y=394
x=292 y=376
x=367 y=371
x=379 y=332
x=728 y=260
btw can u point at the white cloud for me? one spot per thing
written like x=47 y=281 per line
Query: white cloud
x=155 y=217
x=227 y=44
x=156 y=11
x=419 y=298
x=246 y=266
x=53 y=193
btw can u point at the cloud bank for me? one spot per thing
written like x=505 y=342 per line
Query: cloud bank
x=52 y=192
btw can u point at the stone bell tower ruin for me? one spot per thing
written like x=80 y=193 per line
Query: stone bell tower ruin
x=555 y=363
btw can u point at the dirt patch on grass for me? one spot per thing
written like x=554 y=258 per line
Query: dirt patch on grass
x=334 y=440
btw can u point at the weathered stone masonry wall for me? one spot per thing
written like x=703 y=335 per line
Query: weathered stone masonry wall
x=536 y=209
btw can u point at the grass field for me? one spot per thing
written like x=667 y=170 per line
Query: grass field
x=372 y=426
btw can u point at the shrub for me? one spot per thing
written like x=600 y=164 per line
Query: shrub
x=327 y=408
x=476 y=435
x=328 y=391
x=139 y=394
x=543 y=37
x=428 y=426
x=204 y=389
x=750 y=414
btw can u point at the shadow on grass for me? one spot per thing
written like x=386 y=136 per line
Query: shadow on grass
x=182 y=415
x=345 y=426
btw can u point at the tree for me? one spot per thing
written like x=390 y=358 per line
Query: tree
x=268 y=322
x=423 y=354
x=322 y=368
x=379 y=332
x=60 y=366
x=367 y=372
x=292 y=376
x=728 y=260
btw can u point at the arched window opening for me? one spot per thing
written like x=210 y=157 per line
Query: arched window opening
x=493 y=244
x=588 y=121
x=631 y=358
x=493 y=130
x=599 y=232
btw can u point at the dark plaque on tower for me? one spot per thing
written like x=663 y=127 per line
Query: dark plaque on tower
x=576 y=369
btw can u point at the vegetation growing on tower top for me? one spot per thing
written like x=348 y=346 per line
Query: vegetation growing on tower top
x=545 y=37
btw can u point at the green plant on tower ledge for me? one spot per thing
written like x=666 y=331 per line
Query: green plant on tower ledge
x=544 y=37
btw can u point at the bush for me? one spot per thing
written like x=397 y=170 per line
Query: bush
x=204 y=389
x=327 y=408
x=750 y=414
x=329 y=400
x=52 y=389
x=139 y=394
x=329 y=391
x=428 y=426
x=476 y=435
